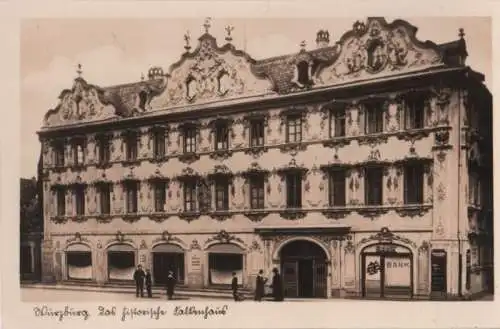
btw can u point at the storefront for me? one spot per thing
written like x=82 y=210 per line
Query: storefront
x=79 y=262
x=387 y=271
x=121 y=262
x=224 y=259
x=168 y=257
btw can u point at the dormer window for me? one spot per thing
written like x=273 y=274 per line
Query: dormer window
x=143 y=97
x=303 y=73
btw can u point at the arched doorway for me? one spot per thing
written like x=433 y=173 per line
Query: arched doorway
x=168 y=257
x=304 y=270
x=387 y=271
x=121 y=262
x=79 y=262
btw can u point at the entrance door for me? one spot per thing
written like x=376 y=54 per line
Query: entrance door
x=304 y=269
x=165 y=262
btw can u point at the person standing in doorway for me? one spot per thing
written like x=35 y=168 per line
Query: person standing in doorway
x=149 y=283
x=139 y=281
x=260 y=282
x=277 y=286
x=234 y=287
x=170 y=285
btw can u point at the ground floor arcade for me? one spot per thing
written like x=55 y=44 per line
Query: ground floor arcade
x=314 y=263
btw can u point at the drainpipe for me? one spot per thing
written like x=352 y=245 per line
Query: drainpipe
x=459 y=190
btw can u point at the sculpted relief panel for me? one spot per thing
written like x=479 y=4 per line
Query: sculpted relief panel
x=377 y=49
x=209 y=74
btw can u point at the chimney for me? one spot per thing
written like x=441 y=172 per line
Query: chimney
x=322 y=38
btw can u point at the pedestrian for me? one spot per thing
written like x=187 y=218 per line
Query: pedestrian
x=277 y=286
x=234 y=287
x=139 y=281
x=149 y=283
x=260 y=282
x=170 y=285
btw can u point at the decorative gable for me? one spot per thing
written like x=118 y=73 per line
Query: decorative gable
x=83 y=103
x=210 y=74
x=378 y=49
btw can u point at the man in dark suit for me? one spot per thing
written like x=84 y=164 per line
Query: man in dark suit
x=277 y=286
x=149 y=283
x=260 y=282
x=139 y=281
x=234 y=287
x=170 y=285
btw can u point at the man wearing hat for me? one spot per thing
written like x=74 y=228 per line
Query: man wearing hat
x=170 y=285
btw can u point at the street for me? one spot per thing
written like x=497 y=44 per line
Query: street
x=54 y=295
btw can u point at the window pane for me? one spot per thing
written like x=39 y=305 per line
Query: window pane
x=414 y=184
x=373 y=186
x=337 y=188
x=294 y=190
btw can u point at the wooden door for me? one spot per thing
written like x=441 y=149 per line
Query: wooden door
x=320 y=278
x=290 y=278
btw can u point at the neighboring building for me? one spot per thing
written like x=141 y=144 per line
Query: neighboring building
x=31 y=230
x=359 y=168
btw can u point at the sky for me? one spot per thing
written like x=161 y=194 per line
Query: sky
x=115 y=51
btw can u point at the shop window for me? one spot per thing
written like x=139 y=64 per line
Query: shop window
x=190 y=140
x=121 y=265
x=373 y=186
x=104 y=191
x=294 y=129
x=415 y=109
x=374 y=117
x=294 y=190
x=222 y=267
x=337 y=197
x=160 y=196
x=79 y=265
x=257 y=192
x=221 y=194
x=159 y=143
x=257 y=133
x=79 y=195
x=414 y=184
x=131 y=192
x=221 y=137
x=337 y=123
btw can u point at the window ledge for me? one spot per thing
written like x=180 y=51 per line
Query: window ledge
x=189 y=157
x=79 y=218
x=59 y=169
x=374 y=138
x=220 y=215
x=189 y=215
x=293 y=147
x=221 y=154
x=158 y=159
x=60 y=219
x=131 y=217
x=104 y=165
x=131 y=162
x=256 y=215
x=293 y=213
x=338 y=141
x=104 y=218
x=78 y=167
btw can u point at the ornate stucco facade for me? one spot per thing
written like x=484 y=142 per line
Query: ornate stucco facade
x=228 y=160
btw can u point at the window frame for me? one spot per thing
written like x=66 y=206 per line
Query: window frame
x=369 y=186
x=79 y=197
x=104 y=145
x=335 y=176
x=374 y=117
x=293 y=180
x=295 y=121
x=189 y=134
x=414 y=189
x=221 y=185
x=132 y=195
x=104 y=191
x=221 y=137
x=411 y=109
x=59 y=154
x=338 y=117
x=191 y=187
x=258 y=199
x=159 y=143
x=132 y=146
x=160 y=195
x=60 y=202
x=260 y=132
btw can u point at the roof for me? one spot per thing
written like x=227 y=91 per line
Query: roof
x=275 y=76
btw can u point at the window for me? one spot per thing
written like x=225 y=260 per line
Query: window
x=190 y=140
x=337 y=123
x=257 y=133
x=104 y=150
x=294 y=129
x=303 y=73
x=337 y=187
x=59 y=154
x=61 y=202
x=159 y=144
x=221 y=194
x=373 y=118
x=373 y=186
x=105 y=199
x=221 y=137
x=414 y=184
x=257 y=192
x=131 y=190
x=78 y=153
x=294 y=190
x=79 y=192
x=204 y=195
x=131 y=145
x=190 y=196
x=160 y=196
x=415 y=108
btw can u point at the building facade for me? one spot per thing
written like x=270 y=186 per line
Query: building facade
x=358 y=168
